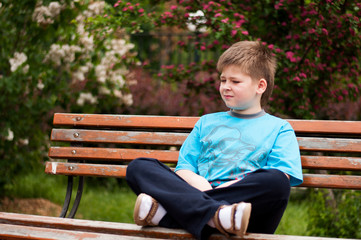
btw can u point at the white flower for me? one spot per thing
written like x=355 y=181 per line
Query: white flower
x=196 y=15
x=55 y=8
x=96 y=8
x=40 y=85
x=42 y=15
x=78 y=76
x=86 y=97
x=17 y=61
x=45 y=15
x=128 y=99
x=118 y=93
x=10 y=135
x=24 y=141
x=65 y=53
x=87 y=42
x=104 y=90
x=26 y=68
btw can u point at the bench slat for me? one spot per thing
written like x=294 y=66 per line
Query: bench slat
x=326 y=126
x=329 y=144
x=78 y=169
x=134 y=121
x=177 y=139
x=111 y=154
x=331 y=163
x=9 y=231
x=119 y=154
x=170 y=122
x=118 y=137
x=126 y=229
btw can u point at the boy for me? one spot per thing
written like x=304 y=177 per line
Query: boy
x=235 y=169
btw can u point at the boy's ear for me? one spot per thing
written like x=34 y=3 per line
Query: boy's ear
x=262 y=86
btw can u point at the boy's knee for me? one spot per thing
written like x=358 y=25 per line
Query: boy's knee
x=138 y=164
x=276 y=182
x=280 y=183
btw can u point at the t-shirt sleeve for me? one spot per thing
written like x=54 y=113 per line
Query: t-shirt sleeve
x=285 y=155
x=190 y=151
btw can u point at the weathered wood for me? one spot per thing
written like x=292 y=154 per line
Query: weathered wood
x=329 y=144
x=124 y=121
x=170 y=122
x=177 y=139
x=82 y=169
x=331 y=181
x=115 y=154
x=125 y=230
x=118 y=137
x=167 y=156
x=331 y=163
x=8 y=231
x=326 y=126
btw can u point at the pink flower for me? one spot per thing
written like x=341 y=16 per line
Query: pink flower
x=289 y=54
x=173 y=7
x=116 y=5
x=271 y=46
x=234 y=32
x=244 y=32
x=203 y=47
x=181 y=43
x=297 y=79
x=141 y=10
x=225 y=20
x=218 y=15
x=303 y=75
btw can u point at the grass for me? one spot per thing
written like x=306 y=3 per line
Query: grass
x=108 y=199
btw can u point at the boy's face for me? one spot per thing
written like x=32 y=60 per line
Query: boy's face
x=240 y=92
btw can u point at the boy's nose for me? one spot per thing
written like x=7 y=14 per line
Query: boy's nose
x=227 y=86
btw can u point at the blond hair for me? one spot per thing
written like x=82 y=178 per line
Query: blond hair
x=254 y=59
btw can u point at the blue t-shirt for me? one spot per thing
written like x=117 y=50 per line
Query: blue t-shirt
x=226 y=146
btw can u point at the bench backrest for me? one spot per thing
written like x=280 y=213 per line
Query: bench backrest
x=102 y=145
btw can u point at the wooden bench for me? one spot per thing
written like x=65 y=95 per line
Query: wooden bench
x=101 y=145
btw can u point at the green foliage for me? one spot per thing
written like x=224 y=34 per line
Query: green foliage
x=317 y=43
x=335 y=217
x=50 y=62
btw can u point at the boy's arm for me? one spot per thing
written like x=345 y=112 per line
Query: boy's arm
x=194 y=180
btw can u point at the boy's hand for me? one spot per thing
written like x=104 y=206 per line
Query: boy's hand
x=194 y=180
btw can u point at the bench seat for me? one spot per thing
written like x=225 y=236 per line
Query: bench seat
x=41 y=227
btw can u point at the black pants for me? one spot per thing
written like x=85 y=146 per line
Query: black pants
x=189 y=208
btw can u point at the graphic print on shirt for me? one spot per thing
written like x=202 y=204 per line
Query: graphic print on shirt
x=224 y=152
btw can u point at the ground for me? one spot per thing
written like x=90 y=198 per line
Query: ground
x=36 y=206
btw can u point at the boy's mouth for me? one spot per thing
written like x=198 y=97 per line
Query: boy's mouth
x=227 y=96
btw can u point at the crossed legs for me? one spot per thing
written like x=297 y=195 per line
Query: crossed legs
x=191 y=209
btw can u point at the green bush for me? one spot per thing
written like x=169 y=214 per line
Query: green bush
x=50 y=62
x=336 y=214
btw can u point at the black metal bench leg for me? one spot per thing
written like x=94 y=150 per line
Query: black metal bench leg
x=67 y=200
x=69 y=190
x=79 y=194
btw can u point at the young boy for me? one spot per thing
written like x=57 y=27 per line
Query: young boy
x=235 y=168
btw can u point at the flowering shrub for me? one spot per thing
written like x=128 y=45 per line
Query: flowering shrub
x=317 y=43
x=51 y=62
